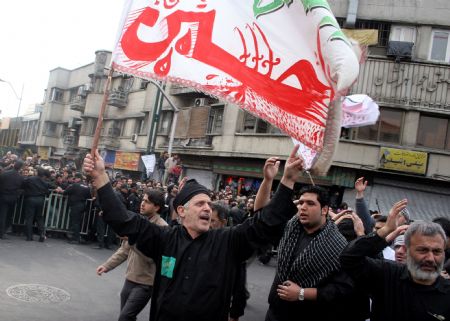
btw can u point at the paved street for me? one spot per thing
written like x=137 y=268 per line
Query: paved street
x=61 y=277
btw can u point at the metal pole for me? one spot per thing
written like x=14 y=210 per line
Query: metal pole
x=157 y=119
x=20 y=100
x=153 y=122
x=172 y=131
x=175 y=115
x=15 y=93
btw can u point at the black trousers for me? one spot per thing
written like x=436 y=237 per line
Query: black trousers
x=101 y=227
x=33 y=207
x=133 y=298
x=7 y=204
x=76 y=216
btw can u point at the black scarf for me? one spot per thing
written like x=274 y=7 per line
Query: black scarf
x=316 y=262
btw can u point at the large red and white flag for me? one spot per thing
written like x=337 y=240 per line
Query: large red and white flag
x=284 y=61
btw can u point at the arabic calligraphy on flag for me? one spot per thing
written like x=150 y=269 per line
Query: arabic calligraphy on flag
x=282 y=60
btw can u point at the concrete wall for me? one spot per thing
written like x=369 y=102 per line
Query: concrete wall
x=432 y=12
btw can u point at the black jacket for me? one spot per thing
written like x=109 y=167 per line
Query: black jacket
x=77 y=193
x=36 y=186
x=194 y=278
x=10 y=184
x=395 y=296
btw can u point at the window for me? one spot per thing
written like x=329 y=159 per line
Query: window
x=434 y=132
x=119 y=126
x=384 y=28
x=440 y=46
x=73 y=94
x=403 y=33
x=49 y=129
x=140 y=125
x=215 y=120
x=57 y=94
x=165 y=122
x=126 y=84
x=89 y=126
x=252 y=124
x=387 y=129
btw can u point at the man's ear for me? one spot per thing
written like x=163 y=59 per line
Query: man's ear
x=325 y=210
x=180 y=210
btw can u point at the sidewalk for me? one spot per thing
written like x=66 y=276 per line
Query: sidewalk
x=56 y=281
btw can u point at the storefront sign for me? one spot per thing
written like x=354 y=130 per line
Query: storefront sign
x=403 y=160
x=109 y=156
x=127 y=161
x=43 y=152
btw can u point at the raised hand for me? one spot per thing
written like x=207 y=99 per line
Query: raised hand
x=391 y=223
x=292 y=169
x=270 y=169
x=95 y=168
x=360 y=186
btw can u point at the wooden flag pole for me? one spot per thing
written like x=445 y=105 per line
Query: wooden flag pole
x=101 y=113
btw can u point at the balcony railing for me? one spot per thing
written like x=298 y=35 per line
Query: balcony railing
x=181 y=90
x=109 y=141
x=405 y=84
x=118 y=98
x=78 y=103
x=71 y=140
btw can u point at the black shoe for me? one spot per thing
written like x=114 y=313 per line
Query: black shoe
x=42 y=238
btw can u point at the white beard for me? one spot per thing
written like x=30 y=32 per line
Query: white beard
x=417 y=273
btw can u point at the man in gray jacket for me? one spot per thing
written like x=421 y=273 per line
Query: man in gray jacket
x=140 y=275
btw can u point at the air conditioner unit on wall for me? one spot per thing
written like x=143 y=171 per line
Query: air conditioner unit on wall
x=134 y=138
x=74 y=122
x=400 y=49
x=200 y=102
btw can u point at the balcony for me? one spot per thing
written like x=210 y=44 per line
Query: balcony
x=118 y=98
x=181 y=90
x=78 y=103
x=71 y=140
x=409 y=84
x=109 y=142
x=111 y=139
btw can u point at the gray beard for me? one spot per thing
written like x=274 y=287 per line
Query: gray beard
x=417 y=273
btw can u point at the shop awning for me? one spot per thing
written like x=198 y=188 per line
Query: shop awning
x=424 y=201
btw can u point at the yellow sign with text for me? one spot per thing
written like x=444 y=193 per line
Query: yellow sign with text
x=127 y=161
x=403 y=160
x=43 y=152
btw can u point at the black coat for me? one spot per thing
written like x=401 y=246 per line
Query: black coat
x=10 y=184
x=195 y=277
x=395 y=296
x=78 y=193
x=36 y=186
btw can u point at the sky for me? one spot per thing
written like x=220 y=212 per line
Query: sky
x=40 y=35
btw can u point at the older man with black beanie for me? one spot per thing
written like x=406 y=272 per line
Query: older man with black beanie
x=196 y=265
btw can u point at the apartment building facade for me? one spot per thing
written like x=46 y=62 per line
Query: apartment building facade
x=407 y=152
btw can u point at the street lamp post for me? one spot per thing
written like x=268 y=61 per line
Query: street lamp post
x=15 y=93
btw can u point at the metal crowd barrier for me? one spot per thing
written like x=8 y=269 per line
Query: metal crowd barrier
x=56 y=213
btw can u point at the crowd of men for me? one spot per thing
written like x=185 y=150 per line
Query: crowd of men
x=188 y=247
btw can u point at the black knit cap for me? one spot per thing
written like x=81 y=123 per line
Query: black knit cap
x=189 y=190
